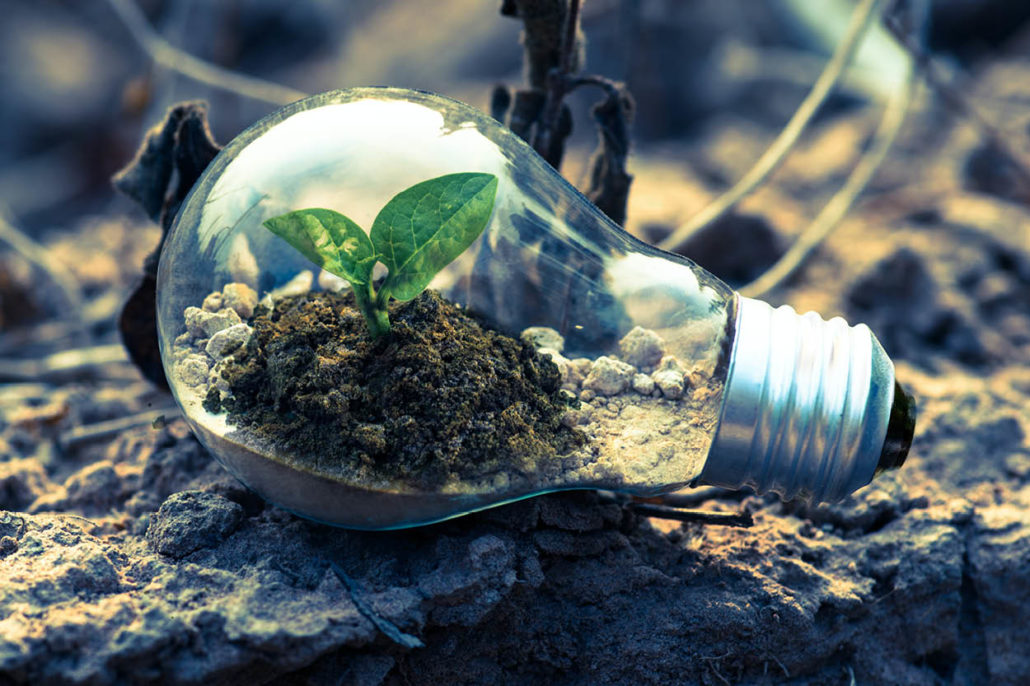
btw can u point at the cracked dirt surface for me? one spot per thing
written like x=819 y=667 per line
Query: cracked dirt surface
x=137 y=559
x=134 y=558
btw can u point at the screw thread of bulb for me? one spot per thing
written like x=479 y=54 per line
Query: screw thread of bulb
x=806 y=406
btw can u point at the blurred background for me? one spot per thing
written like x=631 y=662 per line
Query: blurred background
x=714 y=81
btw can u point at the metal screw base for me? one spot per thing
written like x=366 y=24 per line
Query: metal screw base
x=806 y=407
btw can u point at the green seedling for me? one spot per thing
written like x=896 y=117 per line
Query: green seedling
x=419 y=232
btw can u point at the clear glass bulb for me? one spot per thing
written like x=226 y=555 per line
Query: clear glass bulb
x=670 y=378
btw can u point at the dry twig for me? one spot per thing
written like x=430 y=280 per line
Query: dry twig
x=776 y=152
x=167 y=55
x=650 y=507
x=741 y=519
x=834 y=210
x=113 y=427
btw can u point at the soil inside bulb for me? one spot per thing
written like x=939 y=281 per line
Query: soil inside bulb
x=444 y=404
x=441 y=398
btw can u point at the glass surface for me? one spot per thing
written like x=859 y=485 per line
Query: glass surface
x=547 y=258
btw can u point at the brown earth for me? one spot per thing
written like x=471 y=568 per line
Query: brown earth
x=439 y=398
x=130 y=556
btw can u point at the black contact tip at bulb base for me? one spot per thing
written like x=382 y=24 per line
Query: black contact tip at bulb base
x=900 y=428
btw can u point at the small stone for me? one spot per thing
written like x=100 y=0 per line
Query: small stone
x=191 y=520
x=582 y=365
x=586 y=395
x=204 y=324
x=643 y=384
x=573 y=379
x=669 y=383
x=669 y=377
x=181 y=352
x=193 y=370
x=183 y=340
x=240 y=297
x=227 y=340
x=613 y=408
x=559 y=361
x=213 y=302
x=609 y=376
x=642 y=347
x=541 y=337
x=670 y=364
x=573 y=418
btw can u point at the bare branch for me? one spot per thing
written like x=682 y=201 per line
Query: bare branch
x=167 y=55
x=834 y=210
x=776 y=152
x=741 y=519
x=113 y=427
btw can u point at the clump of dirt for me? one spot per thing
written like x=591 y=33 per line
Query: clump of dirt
x=441 y=397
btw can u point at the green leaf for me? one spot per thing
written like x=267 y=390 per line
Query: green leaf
x=422 y=229
x=330 y=240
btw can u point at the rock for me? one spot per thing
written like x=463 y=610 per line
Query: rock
x=574 y=376
x=190 y=520
x=559 y=360
x=193 y=370
x=642 y=384
x=582 y=366
x=670 y=384
x=642 y=347
x=574 y=418
x=240 y=297
x=203 y=324
x=212 y=303
x=609 y=376
x=543 y=337
x=669 y=378
x=227 y=340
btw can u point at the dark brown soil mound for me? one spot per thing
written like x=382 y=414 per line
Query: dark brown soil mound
x=440 y=396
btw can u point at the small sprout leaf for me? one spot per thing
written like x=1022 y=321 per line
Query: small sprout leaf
x=419 y=232
x=330 y=240
x=422 y=229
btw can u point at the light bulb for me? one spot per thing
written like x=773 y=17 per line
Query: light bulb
x=679 y=380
